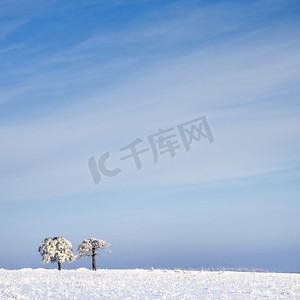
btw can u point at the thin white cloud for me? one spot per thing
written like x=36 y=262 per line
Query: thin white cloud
x=234 y=82
x=9 y=27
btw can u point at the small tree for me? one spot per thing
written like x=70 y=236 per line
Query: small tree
x=56 y=249
x=89 y=248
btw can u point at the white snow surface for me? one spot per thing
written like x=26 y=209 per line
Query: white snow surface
x=146 y=284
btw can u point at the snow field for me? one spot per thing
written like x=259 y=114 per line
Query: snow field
x=146 y=284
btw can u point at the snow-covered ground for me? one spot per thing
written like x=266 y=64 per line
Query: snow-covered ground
x=146 y=284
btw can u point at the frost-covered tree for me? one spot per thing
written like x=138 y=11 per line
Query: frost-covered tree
x=90 y=247
x=56 y=249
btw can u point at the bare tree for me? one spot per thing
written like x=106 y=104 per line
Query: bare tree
x=90 y=247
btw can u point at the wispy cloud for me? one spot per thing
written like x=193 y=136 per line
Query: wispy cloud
x=9 y=27
x=114 y=87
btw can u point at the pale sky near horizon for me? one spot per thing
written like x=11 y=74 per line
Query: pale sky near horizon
x=80 y=79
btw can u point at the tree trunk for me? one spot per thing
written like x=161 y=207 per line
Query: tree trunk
x=94 y=260
x=59 y=266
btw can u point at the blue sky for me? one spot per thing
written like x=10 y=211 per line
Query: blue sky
x=79 y=79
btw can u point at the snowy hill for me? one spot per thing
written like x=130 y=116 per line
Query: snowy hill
x=146 y=284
